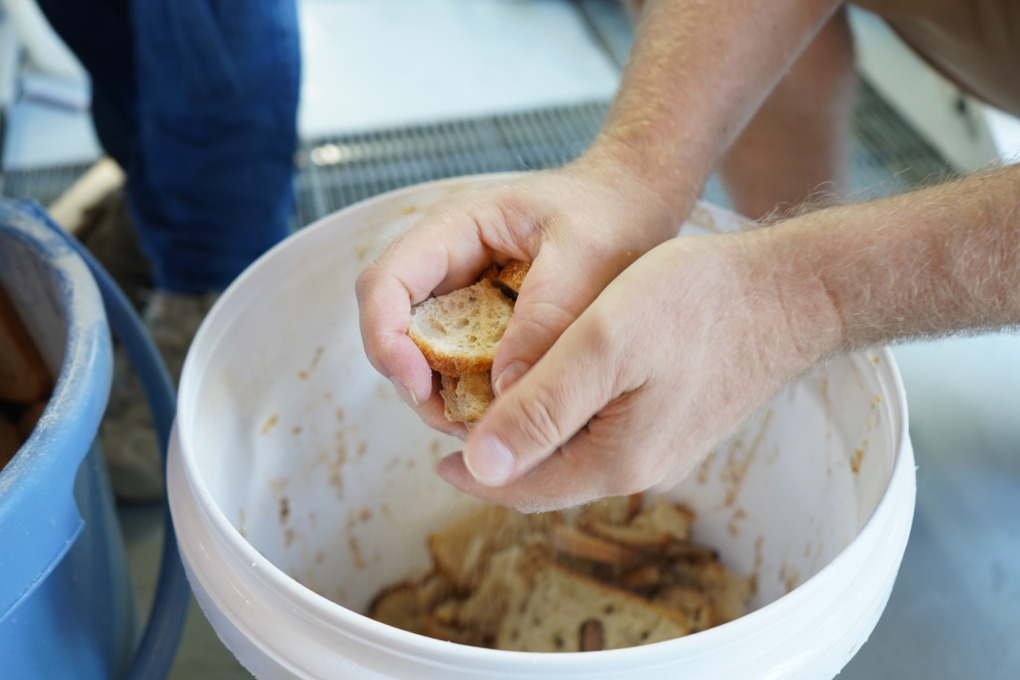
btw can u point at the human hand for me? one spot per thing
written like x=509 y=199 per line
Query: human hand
x=578 y=226
x=671 y=357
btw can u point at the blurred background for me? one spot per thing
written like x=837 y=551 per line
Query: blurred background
x=396 y=92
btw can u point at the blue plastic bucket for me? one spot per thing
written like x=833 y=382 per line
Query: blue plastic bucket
x=66 y=604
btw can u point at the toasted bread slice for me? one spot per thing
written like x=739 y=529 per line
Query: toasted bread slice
x=399 y=606
x=30 y=417
x=461 y=551
x=24 y=377
x=408 y=604
x=557 y=612
x=573 y=542
x=10 y=440
x=511 y=277
x=696 y=606
x=654 y=528
x=728 y=592
x=459 y=332
x=465 y=398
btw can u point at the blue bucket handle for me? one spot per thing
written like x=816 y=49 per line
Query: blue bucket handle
x=155 y=654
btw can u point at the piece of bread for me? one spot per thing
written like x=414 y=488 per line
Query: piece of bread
x=696 y=606
x=557 y=613
x=462 y=550
x=30 y=417
x=511 y=277
x=10 y=439
x=399 y=606
x=24 y=377
x=728 y=592
x=465 y=398
x=573 y=542
x=547 y=583
x=654 y=528
x=459 y=332
x=409 y=605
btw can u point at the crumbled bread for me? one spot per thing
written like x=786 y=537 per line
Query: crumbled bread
x=547 y=583
x=461 y=551
x=696 y=606
x=30 y=417
x=24 y=377
x=574 y=542
x=727 y=592
x=400 y=607
x=407 y=605
x=560 y=603
x=10 y=440
x=655 y=527
x=511 y=277
x=465 y=398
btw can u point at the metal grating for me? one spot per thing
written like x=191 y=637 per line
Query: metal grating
x=44 y=184
x=338 y=171
x=888 y=156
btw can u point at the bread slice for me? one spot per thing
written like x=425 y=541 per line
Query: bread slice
x=697 y=607
x=654 y=528
x=462 y=550
x=10 y=440
x=573 y=542
x=728 y=592
x=465 y=398
x=459 y=332
x=24 y=377
x=399 y=606
x=559 y=609
x=511 y=278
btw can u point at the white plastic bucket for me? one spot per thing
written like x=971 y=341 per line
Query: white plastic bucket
x=300 y=485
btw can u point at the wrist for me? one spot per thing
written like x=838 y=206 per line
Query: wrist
x=642 y=178
x=788 y=262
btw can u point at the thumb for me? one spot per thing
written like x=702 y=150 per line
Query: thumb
x=543 y=411
x=550 y=299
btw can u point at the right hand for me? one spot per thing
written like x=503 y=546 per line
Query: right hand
x=579 y=226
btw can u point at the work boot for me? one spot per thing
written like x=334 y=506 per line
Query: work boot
x=127 y=433
x=107 y=232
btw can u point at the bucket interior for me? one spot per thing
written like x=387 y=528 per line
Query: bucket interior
x=309 y=454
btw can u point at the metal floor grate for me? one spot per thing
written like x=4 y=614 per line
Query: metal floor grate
x=888 y=156
x=338 y=171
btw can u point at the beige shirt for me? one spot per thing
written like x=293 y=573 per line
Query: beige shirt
x=974 y=43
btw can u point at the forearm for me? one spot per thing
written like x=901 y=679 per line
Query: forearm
x=698 y=71
x=933 y=262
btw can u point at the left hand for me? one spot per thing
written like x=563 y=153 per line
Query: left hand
x=674 y=354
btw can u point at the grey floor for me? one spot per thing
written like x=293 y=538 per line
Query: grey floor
x=955 y=609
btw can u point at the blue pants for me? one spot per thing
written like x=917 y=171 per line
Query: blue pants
x=197 y=100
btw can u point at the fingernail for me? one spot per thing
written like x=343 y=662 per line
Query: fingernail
x=508 y=376
x=490 y=461
x=405 y=394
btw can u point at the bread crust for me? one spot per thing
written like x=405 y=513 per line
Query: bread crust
x=511 y=277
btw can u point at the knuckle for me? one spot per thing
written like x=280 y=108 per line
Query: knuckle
x=544 y=319
x=537 y=424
